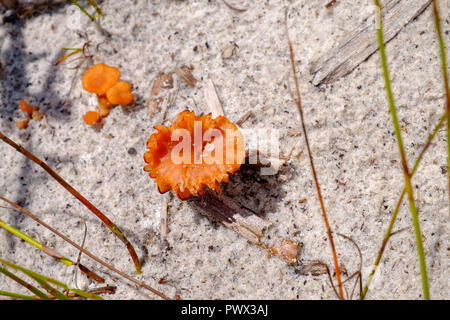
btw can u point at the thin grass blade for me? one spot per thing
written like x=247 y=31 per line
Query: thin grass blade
x=25 y=284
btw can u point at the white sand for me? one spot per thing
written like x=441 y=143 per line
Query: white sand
x=349 y=127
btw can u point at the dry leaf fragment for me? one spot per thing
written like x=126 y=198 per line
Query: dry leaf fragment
x=286 y=249
x=228 y=52
x=315 y=268
x=162 y=81
x=186 y=76
x=294 y=133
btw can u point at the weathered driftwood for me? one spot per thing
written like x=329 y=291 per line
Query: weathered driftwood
x=246 y=223
x=363 y=42
x=231 y=214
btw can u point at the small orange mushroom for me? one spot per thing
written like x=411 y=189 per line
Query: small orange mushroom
x=22 y=124
x=100 y=78
x=120 y=94
x=25 y=107
x=92 y=117
x=208 y=163
x=104 y=106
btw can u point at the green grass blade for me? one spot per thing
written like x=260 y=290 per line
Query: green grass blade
x=437 y=22
x=397 y=207
x=20 y=234
x=407 y=175
x=96 y=7
x=25 y=284
x=16 y=296
x=44 y=281
x=35 y=243
x=82 y=9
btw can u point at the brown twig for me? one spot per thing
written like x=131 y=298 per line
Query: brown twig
x=316 y=180
x=86 y=252
x=244 y=118
x=77 y=195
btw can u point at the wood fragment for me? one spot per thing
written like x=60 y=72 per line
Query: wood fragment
x=244 y=118
x=164 y=216
x=246 y=223
x=186 y=76
x=362 y=42
x=231 y=214
x=212 y=101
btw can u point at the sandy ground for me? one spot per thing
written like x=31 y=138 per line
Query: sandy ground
x=349 y=126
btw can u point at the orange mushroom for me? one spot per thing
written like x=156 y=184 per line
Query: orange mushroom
x=92 y=117
x=99 y=78
x=25 y=107
x=220 y=153
x=104 y=106
x=120 y=94
x=22 y=124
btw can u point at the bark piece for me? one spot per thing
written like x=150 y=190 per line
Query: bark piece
x=231 y=214
x=362 y=42
x=246 y=223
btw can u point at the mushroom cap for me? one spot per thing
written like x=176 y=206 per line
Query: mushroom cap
x=120 y=93
x=92 y=117
x=22 y=124
x=25 y=107
x=99 y=78
x=205 y=165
